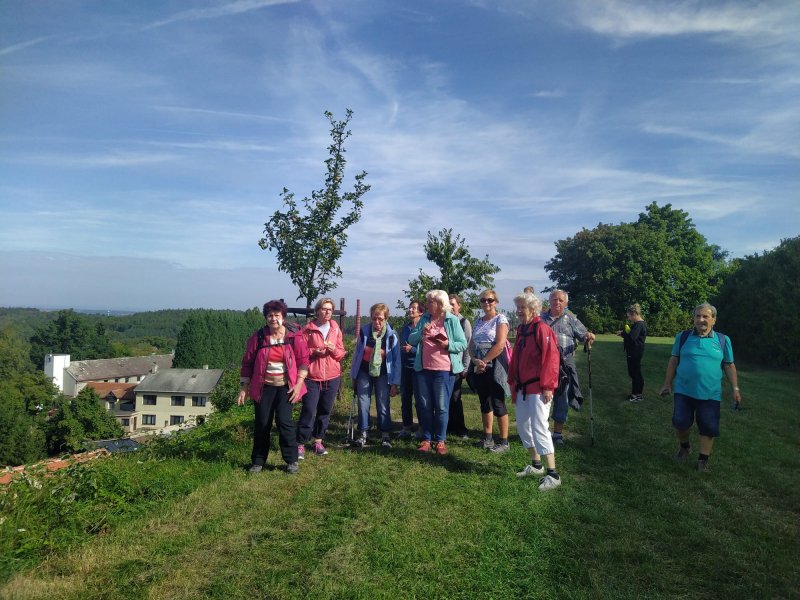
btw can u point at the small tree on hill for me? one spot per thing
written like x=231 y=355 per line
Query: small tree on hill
x=459 y=271
x=79 y=419
x=308 y=242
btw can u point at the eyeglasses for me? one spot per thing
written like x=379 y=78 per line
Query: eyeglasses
x=488 y=300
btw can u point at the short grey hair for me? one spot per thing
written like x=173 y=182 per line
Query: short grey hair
x=708 y=306
x=322 y=302
x=530 y=301
x=557 y=291
x=441 y=297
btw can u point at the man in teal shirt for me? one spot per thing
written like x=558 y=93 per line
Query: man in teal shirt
x=695 y=368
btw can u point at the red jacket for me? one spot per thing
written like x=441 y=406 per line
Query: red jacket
x=254 y=360
x=534 y=356
x=327 y=366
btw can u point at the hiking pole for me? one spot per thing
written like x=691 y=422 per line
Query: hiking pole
x=587 y=347
x=351 y=420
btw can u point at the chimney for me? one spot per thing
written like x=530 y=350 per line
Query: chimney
x=205 y=367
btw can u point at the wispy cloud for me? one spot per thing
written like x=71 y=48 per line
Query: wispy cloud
x=224 y=10
x=226 y=114
x=23 y=45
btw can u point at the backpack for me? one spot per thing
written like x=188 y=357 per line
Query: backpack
x=262 y=334
x=563 y=373
x=720 y=337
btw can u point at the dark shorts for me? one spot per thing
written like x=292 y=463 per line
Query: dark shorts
x=491 y=395
x=687 y=409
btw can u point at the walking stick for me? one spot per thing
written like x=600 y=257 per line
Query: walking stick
x=587 y=347
x=351 y=420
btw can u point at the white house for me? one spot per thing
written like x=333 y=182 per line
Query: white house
x=72 y=376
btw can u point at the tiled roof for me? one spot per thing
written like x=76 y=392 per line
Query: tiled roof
x=182 y=381
x=121 y=391
x=116 y=368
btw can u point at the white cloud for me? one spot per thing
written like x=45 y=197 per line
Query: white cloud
x=223 y=10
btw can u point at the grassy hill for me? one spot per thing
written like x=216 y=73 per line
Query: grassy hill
x=182 y=519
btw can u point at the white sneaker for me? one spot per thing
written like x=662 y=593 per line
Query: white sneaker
x=548 y=482
x=530 y=470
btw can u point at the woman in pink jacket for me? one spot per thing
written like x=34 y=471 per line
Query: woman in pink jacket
x=326 y=351
x=532 y=377
x=274 y=370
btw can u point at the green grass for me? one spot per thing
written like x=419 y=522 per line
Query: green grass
x=184 y=520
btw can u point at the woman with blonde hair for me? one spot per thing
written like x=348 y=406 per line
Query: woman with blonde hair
x=440 y=341
x=489 y=363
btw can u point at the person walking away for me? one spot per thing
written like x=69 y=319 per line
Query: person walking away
x=633 y=338
x=532 y=376
x=569 y=330
x=326 y=351
x=273 y=373
x=409 y=354
x=699 y=357
x=455 y=422
x=376 y=368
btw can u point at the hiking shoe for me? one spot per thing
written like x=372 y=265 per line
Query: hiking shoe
x=548 y=482
x=486 y=443
x=530 y=470
x=255 y=468
x=635 y=398
x=499 y=448
x=441 y=448
x=359 y=442
x=292 y=468
x=425 y=446
x=301 y=452
x=319 y=449
x=403 y=435
x=702 y=465
x=682 y=454
x=386 y=441
x=558 y=439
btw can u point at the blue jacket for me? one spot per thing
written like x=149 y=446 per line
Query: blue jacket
x=457 y=341
x=392 y=353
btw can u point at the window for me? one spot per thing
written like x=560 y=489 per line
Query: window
x=149 y=400
x=179 y=401
x=148 y=419
x=126 y=422
x=175 y=419
x=198 y=400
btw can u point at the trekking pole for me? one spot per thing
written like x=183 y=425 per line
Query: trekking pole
x=351 y=418
x=588 y=349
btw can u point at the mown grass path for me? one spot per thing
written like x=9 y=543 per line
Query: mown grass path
x=628 y=522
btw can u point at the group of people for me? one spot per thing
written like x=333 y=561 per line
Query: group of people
x=437 y=349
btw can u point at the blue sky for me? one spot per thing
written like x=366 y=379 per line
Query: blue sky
x=144 y=144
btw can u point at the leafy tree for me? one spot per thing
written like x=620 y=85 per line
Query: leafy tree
x=215 y=338
x=757 y=306
x=22 y=439
x=459 y=272
x=224 y=395
x=70 y=333
x=308 y=246
x=660 y=261
x=79 y=419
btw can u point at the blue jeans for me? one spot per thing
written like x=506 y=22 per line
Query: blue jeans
x=365 y=385
x=433 y=402
x=316 y=412
x=570 y=391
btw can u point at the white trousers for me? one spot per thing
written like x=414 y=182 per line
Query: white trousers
x=532 y=422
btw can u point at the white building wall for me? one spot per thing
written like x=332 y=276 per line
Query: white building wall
x=54 y=366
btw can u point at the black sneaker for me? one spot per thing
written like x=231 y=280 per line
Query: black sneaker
x=486 y=443
x=682 y=454
x=292 y=468
x=702 y=464
x=386 y=441
x=359 y=442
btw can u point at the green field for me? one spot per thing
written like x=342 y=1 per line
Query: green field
x=184 y=520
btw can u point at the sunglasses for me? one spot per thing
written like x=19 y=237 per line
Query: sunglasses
x=488 y=300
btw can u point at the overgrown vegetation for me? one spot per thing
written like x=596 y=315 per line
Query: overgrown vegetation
x=183 y=520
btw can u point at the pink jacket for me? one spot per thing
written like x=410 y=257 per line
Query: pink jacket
x=254 y=360
x=328 y=366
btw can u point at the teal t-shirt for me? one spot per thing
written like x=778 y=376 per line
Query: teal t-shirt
x=699 y=374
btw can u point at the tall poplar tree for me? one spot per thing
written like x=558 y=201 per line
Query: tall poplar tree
x=307 y=239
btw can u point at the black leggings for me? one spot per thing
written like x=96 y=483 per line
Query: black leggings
x=635 y=372
x=274 y=405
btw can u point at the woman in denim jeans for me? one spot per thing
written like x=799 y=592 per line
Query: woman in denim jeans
x=376 y=367
x=440 y=342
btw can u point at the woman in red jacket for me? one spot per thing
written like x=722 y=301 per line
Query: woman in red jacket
x=532 y=377
x=325 y=351
x=274 y=369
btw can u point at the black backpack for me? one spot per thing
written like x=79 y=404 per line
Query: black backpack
x=563 y=374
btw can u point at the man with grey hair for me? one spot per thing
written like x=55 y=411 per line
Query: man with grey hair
x=568 y=329
x=699 y=357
